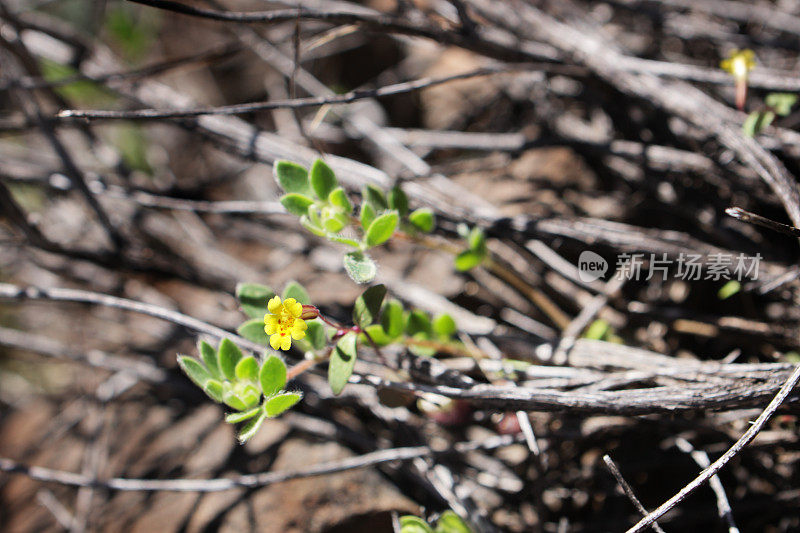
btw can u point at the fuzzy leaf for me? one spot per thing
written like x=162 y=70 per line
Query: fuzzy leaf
x=247 y=369
x=316 y=335
x=392 y=319
x=757 y=121
x=398 y=200
x=209 y=356
x=339 y=198
x=729 y=289
x=467 y=260
x=272 y=376
x=360 y=267
x=382 y=228
x=444 y=326
x=194 y=369
x=292 y=177
x=232 y=399
x=422 y=219
x=781 y=103
x=252 y=427
x=597 y=330
x=378 y=335
x=235 y=418
x=367 y=215
x=253 y=330
x=296 y=291
x=418 y=321
x=344 y=240
x=323 y=180
x=450 y=522
x=413 y=524
x=253 y=298
x=229 y=356
x=296 y=203
x=281 y=403
x=316 y=229
x=372 y=194
x=368 y=305
x=343 y=359
x=214 y=389
x=477 y=241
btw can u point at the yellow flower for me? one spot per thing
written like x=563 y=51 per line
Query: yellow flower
x=284 y=322
x=739 y=63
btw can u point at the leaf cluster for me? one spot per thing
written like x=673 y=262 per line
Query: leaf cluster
x=325 y=210
x=254 y=390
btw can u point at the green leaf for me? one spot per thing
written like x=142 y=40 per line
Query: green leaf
x=339 y=198
x=360 y=267
x=316 y=335
x=413 y=524
x=597 y=330
x=368 y=305
x=232 y=399
x=253 y=330
x=450 y=522
x=392 y=319
x=757 y=121
x=382 y=228
x=422 y=351
x=344 y=240
x=323 y=180
x=343 y=359
x=229 y=356
x=729 y=289
x=333 y=220
x=194 y=369
x=378 y=335
x=247 y=369
x=477 y=241
x=214 y=389
x=311 y=226
x=422 y=219
x=252 y=426
x=209 y=356
x=367 y=215
x=467 y=260
x=444 y=326
x=253 y=298
x=372 y=194
x=398 y=200
x=272 y=376
x=235 y=418
x=292 y=177
x=247 y=393
x=296 y=291
x=781 y=103
x=280 y=403
x=296 y=203
x=418 y=321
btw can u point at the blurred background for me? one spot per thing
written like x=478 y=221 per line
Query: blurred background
x=606 y=126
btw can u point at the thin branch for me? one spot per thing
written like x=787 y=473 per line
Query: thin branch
x=249 y=480
x=720 y=463
x=294 y=103
x=723 y=505
x=626 y=488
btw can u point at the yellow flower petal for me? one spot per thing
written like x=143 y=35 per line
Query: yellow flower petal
x=286 y=343
x=274 y=305
x=298 y=334
x=271 y=324
x=275 y=341
x=296 y=308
